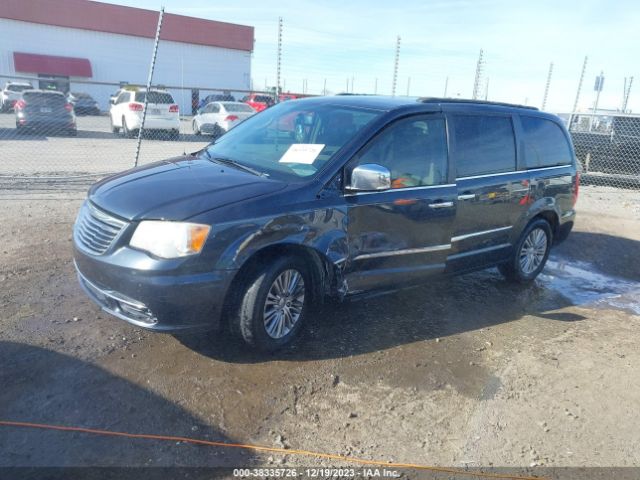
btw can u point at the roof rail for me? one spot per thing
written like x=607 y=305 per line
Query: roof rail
x=468 y=100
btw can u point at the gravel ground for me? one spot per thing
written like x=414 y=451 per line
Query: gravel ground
x=464 y=372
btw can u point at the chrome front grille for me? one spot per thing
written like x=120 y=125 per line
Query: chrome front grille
x=95 y=230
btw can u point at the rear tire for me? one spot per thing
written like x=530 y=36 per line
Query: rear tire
x=530 y=253
x=194 y=126
x=273 y=304
x=217 y=131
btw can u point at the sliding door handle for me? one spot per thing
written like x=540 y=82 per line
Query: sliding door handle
x=467 y=196
x=441 y=205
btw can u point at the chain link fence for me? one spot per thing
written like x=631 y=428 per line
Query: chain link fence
x=61 y=131
x=607 y=147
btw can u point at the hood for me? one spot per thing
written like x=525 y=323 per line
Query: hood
x=177 y=189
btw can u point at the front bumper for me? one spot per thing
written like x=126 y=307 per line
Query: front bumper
x=160 y=300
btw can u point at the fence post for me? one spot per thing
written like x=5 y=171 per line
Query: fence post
x=149 y=79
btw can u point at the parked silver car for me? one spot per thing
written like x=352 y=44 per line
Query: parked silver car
x=217 y=118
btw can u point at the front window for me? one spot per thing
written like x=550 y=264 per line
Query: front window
x=238 y=107
x=292 y=141
x=414 y=150
x=19 y=88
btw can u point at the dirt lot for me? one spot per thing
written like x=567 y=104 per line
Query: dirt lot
x=469 y=371
x=94 y=151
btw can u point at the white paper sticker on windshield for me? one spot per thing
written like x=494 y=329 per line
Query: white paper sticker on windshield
x=302 y=153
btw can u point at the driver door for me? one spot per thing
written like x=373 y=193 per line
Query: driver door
x=402 y=235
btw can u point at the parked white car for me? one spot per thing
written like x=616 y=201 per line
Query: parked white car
x=217 y=118
x=126 y=112
x=10 y=94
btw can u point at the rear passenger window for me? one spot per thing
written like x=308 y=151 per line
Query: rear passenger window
x=545 y=143
x=483 y=145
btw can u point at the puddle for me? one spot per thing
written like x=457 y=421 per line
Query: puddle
x=581 y=285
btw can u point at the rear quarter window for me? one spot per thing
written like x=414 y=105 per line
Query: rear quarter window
x=155 y=97
x=484 y=145
x=42 y=98
x=546 y=145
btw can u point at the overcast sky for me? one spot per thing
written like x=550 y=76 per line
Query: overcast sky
x=356 y=39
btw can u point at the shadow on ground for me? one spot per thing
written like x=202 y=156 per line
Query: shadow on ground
x=438 y=309
x=611 y=255
x=42 y=386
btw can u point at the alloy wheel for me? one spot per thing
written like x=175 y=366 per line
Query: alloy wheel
x=284 y=304
x=533 y=251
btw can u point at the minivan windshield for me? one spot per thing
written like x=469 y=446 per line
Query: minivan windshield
x=293 y=140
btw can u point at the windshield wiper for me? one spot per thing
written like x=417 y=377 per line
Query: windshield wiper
x=234 y=163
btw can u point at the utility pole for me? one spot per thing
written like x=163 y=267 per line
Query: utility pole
x=324 y=87
x=584 y=69
x=278 y=64
x=476 y=81
x=352 y=82
x=395 y=68
x=375 y=87
x=627 y=91
x=408 y=85
x=446 y=86
x=546 y=87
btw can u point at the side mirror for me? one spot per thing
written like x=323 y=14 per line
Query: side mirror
x=112 y=101
x=369 y=177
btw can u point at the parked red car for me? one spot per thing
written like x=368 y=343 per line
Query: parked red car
x=258 y=101
x=287 y=96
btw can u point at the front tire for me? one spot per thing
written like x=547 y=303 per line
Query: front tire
x=530 y=253
x=196 y=130
x=114 y=129
x=274 y=304
x=125 y=130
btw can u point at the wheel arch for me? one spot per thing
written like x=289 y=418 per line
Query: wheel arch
x=545 y=210
x=550 y=216
x=323 y=272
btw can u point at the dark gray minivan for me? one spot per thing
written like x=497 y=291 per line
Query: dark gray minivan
x=328 y=196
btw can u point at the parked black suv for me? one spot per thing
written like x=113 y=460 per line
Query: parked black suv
x=326 y=196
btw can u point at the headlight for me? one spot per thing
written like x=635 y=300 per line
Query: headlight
x=170 y=239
